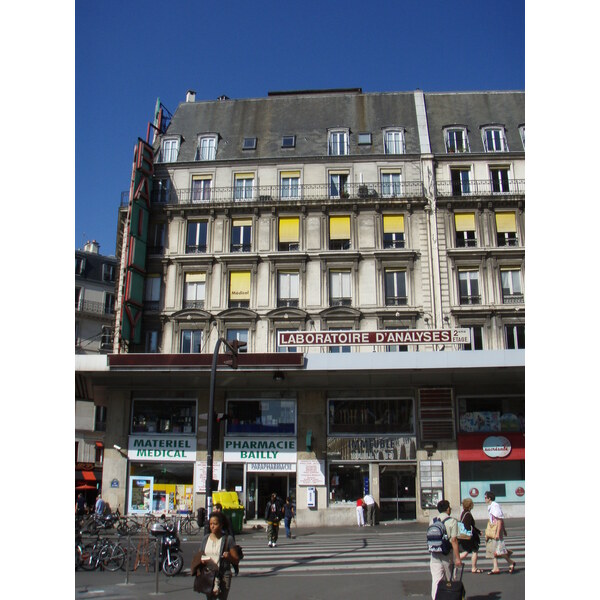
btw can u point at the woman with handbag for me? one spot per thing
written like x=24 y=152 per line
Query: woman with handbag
x=468 y=535
x=212 y=564
x=494 y=536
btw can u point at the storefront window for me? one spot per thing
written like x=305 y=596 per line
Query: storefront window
x=261 y=416
x=347 y=483
x=169 y=484
x=479 y=414
x=164 y=416
x=384 y=415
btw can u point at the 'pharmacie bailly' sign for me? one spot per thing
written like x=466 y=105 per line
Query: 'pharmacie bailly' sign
x=162 y=448
x=373 y=338
x=260 y=450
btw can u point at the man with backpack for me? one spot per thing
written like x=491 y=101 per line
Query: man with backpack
x=442 y=541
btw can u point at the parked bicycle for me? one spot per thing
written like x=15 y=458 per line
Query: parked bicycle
x=97 y=522
x=103 y=553
x=189 y=525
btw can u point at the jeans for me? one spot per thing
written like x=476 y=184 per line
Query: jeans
x=287 y=522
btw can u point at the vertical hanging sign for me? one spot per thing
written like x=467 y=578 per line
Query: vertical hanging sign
x=139 y=210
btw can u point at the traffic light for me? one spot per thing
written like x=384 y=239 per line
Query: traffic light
x=234 y=347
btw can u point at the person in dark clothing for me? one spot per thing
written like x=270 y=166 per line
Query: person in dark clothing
x=273 y=514
x=80 y=505
x=289 y=512
x=470 y=545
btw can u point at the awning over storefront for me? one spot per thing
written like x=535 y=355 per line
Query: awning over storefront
x=88 y=475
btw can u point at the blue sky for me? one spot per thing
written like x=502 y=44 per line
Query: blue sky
x=129 y=53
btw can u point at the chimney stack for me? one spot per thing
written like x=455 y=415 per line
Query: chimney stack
x=190 y=96
x=92 y=247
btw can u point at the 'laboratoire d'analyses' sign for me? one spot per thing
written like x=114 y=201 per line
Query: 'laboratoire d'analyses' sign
x=374 y=338
x=255 y=450
x=161 y=448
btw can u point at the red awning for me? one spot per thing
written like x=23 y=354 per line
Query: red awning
x=85 y=486
x=88 y=475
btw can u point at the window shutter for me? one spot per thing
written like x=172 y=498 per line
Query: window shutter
x=239 y=285
x=393 y=224
x=436 y=414
x=506 y=222
x=465 y=221
x=289 y=229
x=339 y=228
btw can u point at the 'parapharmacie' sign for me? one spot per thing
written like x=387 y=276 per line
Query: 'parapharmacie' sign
x=374 y=338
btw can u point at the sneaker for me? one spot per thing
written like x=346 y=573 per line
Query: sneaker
x=270 y=544
x=274 y=544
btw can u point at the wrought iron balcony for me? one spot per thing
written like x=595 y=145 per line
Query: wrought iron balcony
x=98 y=308
x=512 y=298
x=270 y=193
x=479 y=187
x=193 y=304
x=396 y=301
x=470 y=299
x=287 y=302
x=340 y=302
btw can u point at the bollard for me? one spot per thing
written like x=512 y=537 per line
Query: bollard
x=157 y=564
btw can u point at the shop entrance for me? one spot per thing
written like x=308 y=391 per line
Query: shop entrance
x=260 y=487
x=397 y=492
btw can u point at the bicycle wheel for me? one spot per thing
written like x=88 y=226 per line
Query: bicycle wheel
x=193 y=528
x=131 y=557
x=88 y=557
x=115 y=560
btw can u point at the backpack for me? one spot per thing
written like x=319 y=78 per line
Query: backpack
x=437 y=537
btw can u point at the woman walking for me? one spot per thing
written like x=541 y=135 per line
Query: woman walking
x=470 y=545
x=494 y=536
x=218 y=553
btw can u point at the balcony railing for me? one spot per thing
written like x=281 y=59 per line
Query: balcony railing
x=340 y=302
x=287 y=302
x=479 y=187
x=470 y=299
x=269 y=193
x=98 y=308
x=512 y=298
x=193 y=304
x=396 y=301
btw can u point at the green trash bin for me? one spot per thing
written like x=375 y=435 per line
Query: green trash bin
x=236 y=518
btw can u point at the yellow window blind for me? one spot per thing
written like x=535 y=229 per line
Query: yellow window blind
x=289 y=229
x=339 y=228
x=465 y=221
x=195 y=277
x=239 y=285
x=393 y=224
x=201 y=177
x=242 y=222
x=289 y=174
x=506 y=222
x=244 y=175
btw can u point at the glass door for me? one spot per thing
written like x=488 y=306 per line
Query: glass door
x=397 y=493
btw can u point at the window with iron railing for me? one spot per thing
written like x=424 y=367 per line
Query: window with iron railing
x=288 y=288
x=510 y=280
x=340 y=288
x=196 y=237
x=395 y=287
x=468 y=282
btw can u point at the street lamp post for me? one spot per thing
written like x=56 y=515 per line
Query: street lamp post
x=234 y=348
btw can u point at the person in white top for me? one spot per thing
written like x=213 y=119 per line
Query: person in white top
x=370 y=504
x=495 y=546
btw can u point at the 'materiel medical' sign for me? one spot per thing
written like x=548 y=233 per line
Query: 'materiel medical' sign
x=373 y=338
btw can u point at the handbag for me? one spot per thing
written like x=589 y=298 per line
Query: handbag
x=500 y=549
x=463 y=532
x=491 y=530
x=204 y=582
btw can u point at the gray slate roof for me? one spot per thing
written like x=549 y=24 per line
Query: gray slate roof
x=309 y=117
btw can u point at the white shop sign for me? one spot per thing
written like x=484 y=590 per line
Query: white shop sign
x=201 y=475
x=266 y=450
x=311 y=472
x=497 y=446
x=161 y=448
x=258 y=467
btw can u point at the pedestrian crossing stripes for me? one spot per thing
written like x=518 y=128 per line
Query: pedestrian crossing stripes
x=352 y=553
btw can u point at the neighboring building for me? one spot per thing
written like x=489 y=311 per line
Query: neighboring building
x=312 y=213
x=94 y=320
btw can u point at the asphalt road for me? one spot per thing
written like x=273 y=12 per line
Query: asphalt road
x=386 y=561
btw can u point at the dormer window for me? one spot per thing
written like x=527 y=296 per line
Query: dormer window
x=288 y=141
x=249 y=143
x=169 y=150
x=522 y=134
x=338 y=143
x=494 y=139
x=207 y=148
x=394 y=141
x=456 y=140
